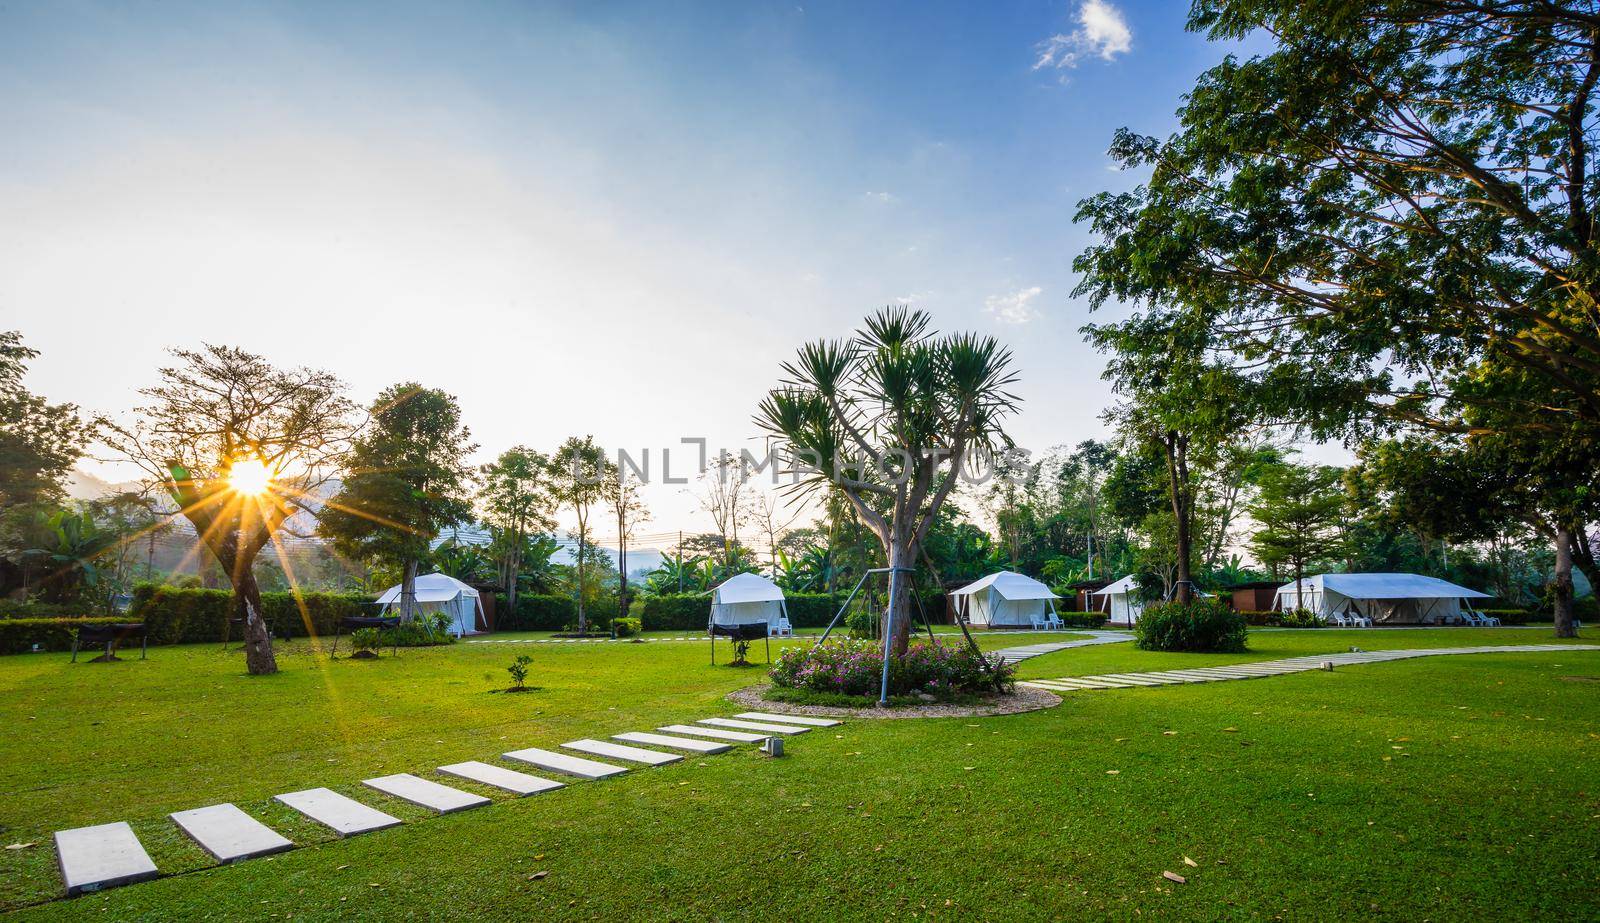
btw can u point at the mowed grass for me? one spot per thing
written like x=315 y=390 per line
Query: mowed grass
x=1453 y=787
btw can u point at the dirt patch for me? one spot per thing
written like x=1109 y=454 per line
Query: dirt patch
x=1023 y=700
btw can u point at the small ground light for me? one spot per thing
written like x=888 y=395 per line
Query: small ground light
x=1327 y=665
x=772 y=746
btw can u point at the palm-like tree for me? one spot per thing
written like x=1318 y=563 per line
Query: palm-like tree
x=889 y=416
x=67 y=547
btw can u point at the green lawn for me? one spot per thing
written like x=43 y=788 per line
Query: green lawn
x=1443 y=788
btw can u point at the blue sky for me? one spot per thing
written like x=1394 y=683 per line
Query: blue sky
x=608 y=218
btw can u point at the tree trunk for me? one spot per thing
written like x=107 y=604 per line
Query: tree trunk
x=1299 y=586
x=897 y=611
x=408 y=592
x=1176 y=446
x=583 y=622
x=258 y=656
x=1563 y=584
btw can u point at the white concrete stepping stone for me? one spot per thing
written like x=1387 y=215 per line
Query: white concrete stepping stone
x=677 y=743
x=754 y=726
x=230 y=834
x=500 y=777
x=620 y=752
x=742 y=737
x=102 y=856
x=789 y=719
x=566 y=765
x=429 y=794
x=344 y=816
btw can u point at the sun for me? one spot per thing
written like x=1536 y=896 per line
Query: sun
x=250 y=476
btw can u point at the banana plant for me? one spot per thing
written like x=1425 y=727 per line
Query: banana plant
x=67 y=547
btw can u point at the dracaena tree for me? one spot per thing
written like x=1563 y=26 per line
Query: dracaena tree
x=888 y=417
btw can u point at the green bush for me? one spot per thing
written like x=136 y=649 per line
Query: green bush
x=1082 y=619
x=1204 y=626
x=176 y=615
x=675 y=612
x=1299 y=618
x=626 y=628
x=19 y=635
x=34 y=609
x=854 y=668
x=535 y=612
x=366 y=639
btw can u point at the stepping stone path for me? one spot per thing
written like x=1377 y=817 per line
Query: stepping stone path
x=519 y=783
x=767 y=726
x=676 y=743
x=429 y=794
x=743 y=737
x=1277 y=667
x=102 y=857
x=344 y=816
x=108 y=855
x=621 y=752
x=1015 y=655
x=566 y=765
x=230 y=834
x=787 y=719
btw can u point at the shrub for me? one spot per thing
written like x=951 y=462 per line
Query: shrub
x=366 y=639
x=1082 y=619
x=428 y=629
x=519 y=672
x=35 y=609
x=855 y=668
x=1203 y=625
x=175 y=615
x=19 y=635
x=1299 y=618
x=862 y=623
x=535 y=612
x=626 y=628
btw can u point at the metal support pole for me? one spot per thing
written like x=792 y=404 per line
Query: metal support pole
x=888 y=634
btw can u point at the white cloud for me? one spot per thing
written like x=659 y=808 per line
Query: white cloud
x=1015 y=307
x=1102 y=32
x=885 y=198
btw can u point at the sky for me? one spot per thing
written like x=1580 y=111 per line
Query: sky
x=591 y=218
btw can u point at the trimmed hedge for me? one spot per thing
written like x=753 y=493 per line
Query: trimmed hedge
x=190 y=616
x=1203 y=625
x=1082 y=619
x=18 y=636
x=536 y=613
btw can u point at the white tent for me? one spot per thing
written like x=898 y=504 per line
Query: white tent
x=1389 y=599
x=442 y=593
x=1006 y=600
x=1124 y=604
x=747 y=598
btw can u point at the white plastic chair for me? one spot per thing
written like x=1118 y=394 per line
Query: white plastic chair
x=1473 y=619
x=1339 y=620
x=1038 y=623
x=783 y=629
x=1053 y=622
x=1490 y=620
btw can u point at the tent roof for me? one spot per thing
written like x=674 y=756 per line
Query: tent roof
x=1125 y=585
x=431 y=588
x=746 y=588
x=1386 y=586
x=1009 y=585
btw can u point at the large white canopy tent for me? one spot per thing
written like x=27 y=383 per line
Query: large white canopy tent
x=744 y=599
x=1006 y=600
x=443 y=593
x=1387 y=599
x=1124 y=604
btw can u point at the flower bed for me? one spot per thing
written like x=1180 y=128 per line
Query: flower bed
x=844 y=667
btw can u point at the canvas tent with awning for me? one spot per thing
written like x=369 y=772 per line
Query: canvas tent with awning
x=1006 y=600
x=1123 y=603
x=442 y=593
x=744 y=599
x=1387 y=599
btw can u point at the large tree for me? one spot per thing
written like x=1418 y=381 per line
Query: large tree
x=623 y=497
x=1388 y=219
x=1297 y=514
x=240 y=446
x=888 y=417
x=579 y=474
x=516 y=499
x=407 y=481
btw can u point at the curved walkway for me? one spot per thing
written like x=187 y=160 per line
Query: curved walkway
x=1015 y=655
x=1276 y=667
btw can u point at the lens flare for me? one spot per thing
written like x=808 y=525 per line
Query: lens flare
x=250 y=476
